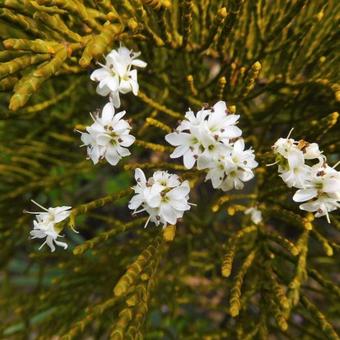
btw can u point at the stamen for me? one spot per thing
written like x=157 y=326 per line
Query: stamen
x=72 y=228
x=42 y=245
x=138 y=211
x=271 y=164
x=94 y=119
x=290 y=132
x=31 y=212
x=39 y=205
x=336 y=164
x=327 y=216
x=147 y=222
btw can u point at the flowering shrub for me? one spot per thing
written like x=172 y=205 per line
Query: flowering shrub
x=251 y=254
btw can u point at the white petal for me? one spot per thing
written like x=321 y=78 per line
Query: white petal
x=303 y=195
x=61 y=244
x=127 y=140
x=124 y=86
x=189 y=160
x=107 y=113
x=176 y=138
x=168 y=213
x=123 y=152
x=103 y=139
x=295 y=158
x=139 y=176
x=86 y=138
x=114 y=97
x=112 y=156
x=62 y=216
x=100 y=74
x=204 y=162
x=135 y=202
x=239 y=145
x=154 y=200
x=309 y=206
x=180 y=205
x=102 y=90
x=232 y=132
x=179 y=151
x=331 y=185
x=231 y=119
x=49 y=242
x=138 y=63
x=134 y=86
x=179 y=192
x=220 y=106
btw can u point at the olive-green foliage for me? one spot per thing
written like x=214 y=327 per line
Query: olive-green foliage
x=275 y=62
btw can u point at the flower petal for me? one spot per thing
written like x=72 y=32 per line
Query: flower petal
x=303 y=195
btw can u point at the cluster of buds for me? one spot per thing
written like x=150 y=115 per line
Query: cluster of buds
x=211 y=140
x=303 y=166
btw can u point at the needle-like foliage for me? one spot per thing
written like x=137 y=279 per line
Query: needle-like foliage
x=216 y=275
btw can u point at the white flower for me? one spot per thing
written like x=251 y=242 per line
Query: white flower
x=46 y=230
x=312 y=151
x=234 y=177
x=255 y=214
x=187 y=145
x=230 y=168
x=117 y=75
x=163 y=196
x=284 y=146
x=318 y=184
x=44 y=225
x=297 y=172
x=322 y=205
x=221 y=124
x=244 y=159
x=108 y=137
x=321 y=191
x=291 y=157
x=209 y=138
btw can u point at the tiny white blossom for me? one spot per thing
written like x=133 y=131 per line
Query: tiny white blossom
x=108 y=137
x=255 y=214
x=284 y=146
x=321 y=191
x=318 y=184
x=163 y=196
x=212 y=140
x=297 y=171
x=44 y=225
x=230 y=169
x=312 y=151
x=117 y=75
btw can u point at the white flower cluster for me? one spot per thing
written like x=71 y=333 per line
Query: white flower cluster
x=44 y=225
x=213 y=141
x=117 y=75
x=318 y=184
x=108 y=137
x=163 y=196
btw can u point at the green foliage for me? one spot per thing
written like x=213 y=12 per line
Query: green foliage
x=216 y=276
